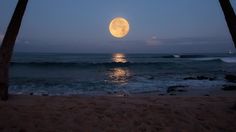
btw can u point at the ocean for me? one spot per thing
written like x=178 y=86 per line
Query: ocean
x=118 y=74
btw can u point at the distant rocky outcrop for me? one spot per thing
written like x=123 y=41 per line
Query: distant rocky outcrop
x=200 y=78
x=230 y=78
x=121 y=93
x=176 y=88
x=229 y=87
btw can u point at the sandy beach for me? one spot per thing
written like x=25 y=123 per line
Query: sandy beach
x=136 y=113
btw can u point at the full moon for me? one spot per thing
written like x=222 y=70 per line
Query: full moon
x=119 y=27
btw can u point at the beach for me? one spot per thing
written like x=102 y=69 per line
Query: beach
x=120 y=93
x=25 y=113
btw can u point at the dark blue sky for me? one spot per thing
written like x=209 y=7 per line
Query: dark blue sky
x=157 y=26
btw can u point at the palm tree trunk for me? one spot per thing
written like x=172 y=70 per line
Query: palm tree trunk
x=230 y=18
x=7 y=47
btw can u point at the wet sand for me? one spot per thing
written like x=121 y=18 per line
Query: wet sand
x=122 y=114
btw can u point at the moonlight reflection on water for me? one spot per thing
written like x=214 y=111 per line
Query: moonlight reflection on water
x=119 y=75
x=119 y=58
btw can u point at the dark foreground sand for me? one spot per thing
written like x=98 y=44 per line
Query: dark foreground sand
x=121 y=114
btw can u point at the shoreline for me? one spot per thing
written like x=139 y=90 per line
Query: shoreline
x=122 y=93
x=225 y=89
x=111 y=113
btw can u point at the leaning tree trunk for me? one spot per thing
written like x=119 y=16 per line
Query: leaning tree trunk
x=7 y=46
x=230 y=18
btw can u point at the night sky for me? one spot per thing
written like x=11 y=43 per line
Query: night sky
x=156 y=26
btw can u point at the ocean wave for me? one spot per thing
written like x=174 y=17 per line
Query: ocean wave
x=87 y=64
x=229 y=59
x=221 y=59
x=183 y=56
x=156 y=62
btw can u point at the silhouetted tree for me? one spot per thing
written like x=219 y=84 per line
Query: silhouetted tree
x=7 y=47
x=230 y=18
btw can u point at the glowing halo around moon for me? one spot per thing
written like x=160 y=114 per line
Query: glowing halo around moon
x=119 y=27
